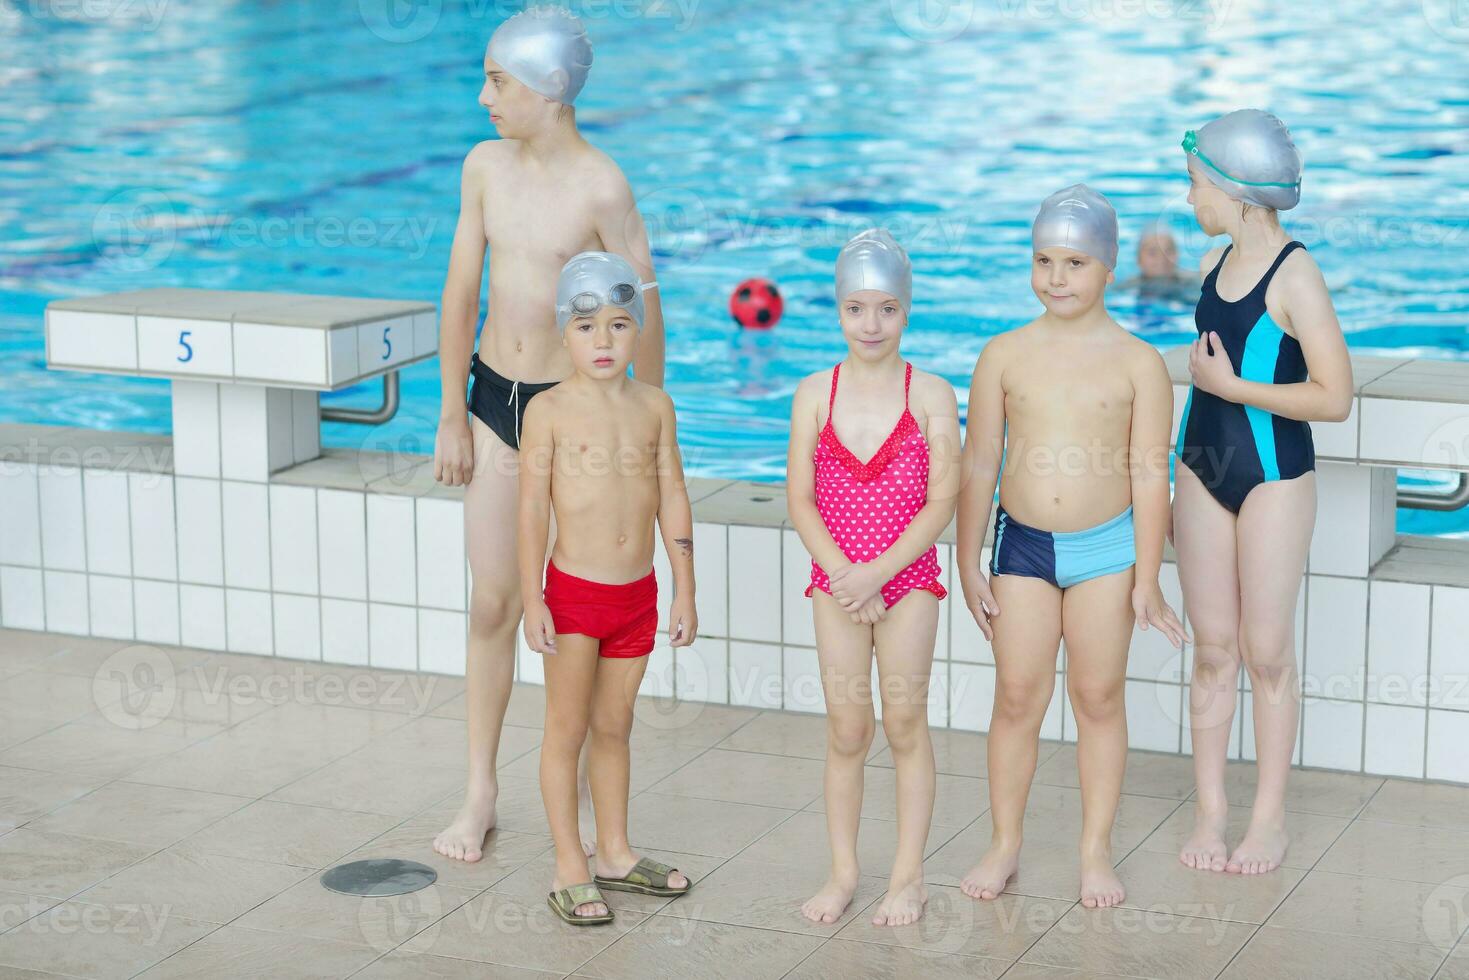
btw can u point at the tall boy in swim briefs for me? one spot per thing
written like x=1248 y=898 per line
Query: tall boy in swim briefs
x=1078 y=412
x=535 y=196
x=600 y=450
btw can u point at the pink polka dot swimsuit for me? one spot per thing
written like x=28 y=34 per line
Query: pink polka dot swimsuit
x=867 y=506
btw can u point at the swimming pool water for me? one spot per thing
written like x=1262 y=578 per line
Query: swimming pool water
x=316 y=148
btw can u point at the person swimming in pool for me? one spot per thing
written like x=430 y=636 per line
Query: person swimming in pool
x=536 y=195
x=1158 y=275
x=1077 y=411
x=1270 y=359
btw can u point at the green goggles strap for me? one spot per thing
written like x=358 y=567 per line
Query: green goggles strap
x=1191 y=145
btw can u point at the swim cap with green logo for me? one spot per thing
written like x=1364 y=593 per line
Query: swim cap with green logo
x=1249 y=155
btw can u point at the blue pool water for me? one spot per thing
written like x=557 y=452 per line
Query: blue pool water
x=315 y=147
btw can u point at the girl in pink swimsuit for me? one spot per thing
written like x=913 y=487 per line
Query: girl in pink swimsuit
x=871 y=528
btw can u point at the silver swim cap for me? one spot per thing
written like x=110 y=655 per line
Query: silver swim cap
x=592 y=280
x=1077 y=218
x=546 y=49
x=1248 y=154
x=874 y=260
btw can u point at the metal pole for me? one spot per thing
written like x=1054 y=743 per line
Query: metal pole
x=1435 y=500
x=369 y=416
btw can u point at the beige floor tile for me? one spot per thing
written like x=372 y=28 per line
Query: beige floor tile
x=746 y=777
x=19 y=725
x=1292 y=953
x=1159 y=882
x=864 y=961
x=89 y=658
x=425 y=966
x=504 y=852
x=1336 y=794
x=958 y=800
x=690 y=826
x=232 y=951
x=284 y=833
x=60 y=865
x=1310 y=833
x=181 y=711
x=959 y=753
x=1399 y=851
x=802 y=840
x=1141 y=944
x=519 y=807
x=61 y=697
x=29 y=647
x=18 y=907
x=1039 y=971
x=308 y=909
x=1148 y=773
x=666 y=946
x=1048 y=868
x=532 y=880
x=687 y=722
x=782 y=733
x=153 y=815
x=1456 y=966
x=357 y=783
x=95 y=941
x=527 y=707
x=1425 y=804
x=503 y=929
x=26 y=794
x=762 y=895
x=207 y=887
x=427 y=740
x=1377 y=908
x=105 y=752
x=955 y=923
x=651 y=760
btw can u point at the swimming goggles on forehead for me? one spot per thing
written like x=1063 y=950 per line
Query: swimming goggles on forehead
x=1191 y=146
x=588 y=302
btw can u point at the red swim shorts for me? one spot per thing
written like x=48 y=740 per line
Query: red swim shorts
x=624 y=617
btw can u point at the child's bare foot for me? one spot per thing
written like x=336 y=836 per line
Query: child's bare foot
x=988 y=878
x=1205 y=849
x=1263 y=848
x=903 y=904
x=464 y=838
x=1100 y=886
x=827 y=905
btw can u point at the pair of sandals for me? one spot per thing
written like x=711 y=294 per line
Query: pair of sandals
x=647 y=877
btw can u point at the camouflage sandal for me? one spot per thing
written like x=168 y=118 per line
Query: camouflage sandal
x=647 y=877
x=564 y=904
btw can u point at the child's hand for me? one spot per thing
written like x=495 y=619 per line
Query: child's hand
x=1149 y=606
x=683 y=621
x=540 y=630
x=852 y=585
x=1212 y=372
x=453 y=453
x=982 y=605
x=873 y=611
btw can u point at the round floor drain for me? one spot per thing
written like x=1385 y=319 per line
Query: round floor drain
x=379 y=876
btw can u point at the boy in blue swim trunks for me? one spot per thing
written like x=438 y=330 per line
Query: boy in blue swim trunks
x=1078 y=412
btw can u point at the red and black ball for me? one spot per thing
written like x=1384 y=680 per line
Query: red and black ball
x=755 y=304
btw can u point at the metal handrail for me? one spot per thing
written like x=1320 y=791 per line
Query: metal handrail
x=1436 y=499
x=369 y=416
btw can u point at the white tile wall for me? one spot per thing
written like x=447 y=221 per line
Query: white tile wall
x=110 y=606
x=1154 y=715
x=63 y=527
x=1343 y=497
x=157 y=605
x=1395 y=740
x=702 y=669
x=284 y=355
x=1338 y=439
x=200 y=530
x=442 y=639
x=797 y=624
x=296 y=626
x=755 y=674
x=196 y=428
x=293 y=540
x=306 y=425
x=102 y=340
x=1448 y=733
x=1410 y=432
x=1450 y=648
x=1397 y=643
x=1334 y=734
x=440 y=551
x=801 y=680
x=755 y=588
x=20 y=509
x=971 y=696
x=342 y=344
x=249 y=624
x=22 y=605
x=1336 y=637
x=344 y=632
x=154 y=538
x=342 y=522
x=384 y=344
x=392 y=636
x=246 y=535
x=201 y=616
x=66 y=603
x=966 y=642
x=170 y=345
x=391 y=552
x=425 y=333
